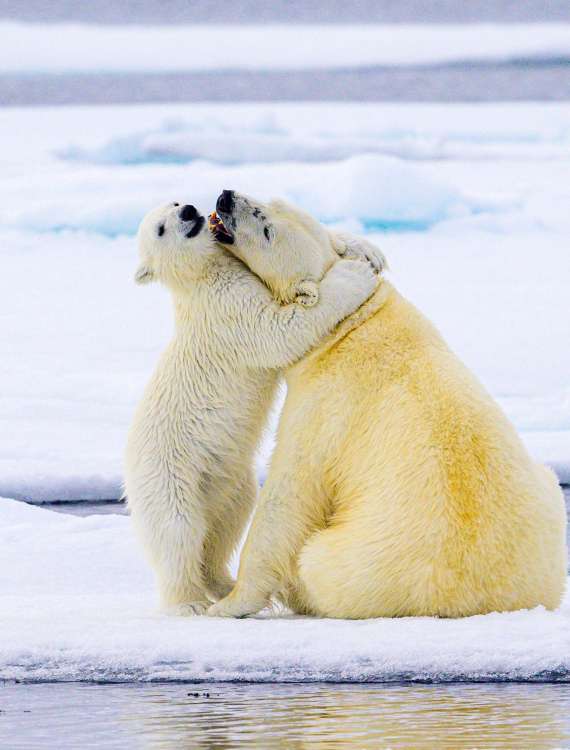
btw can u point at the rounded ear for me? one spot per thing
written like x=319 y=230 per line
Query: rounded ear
x=144 y=275
x=307 y=293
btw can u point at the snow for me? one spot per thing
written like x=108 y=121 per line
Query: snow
x=62 y=48
x=288 y=135
x=79 y=604
x=367 y=188
x=470 y=204
x=479 y=244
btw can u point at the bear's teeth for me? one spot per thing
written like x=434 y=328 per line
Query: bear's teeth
x=216 y=222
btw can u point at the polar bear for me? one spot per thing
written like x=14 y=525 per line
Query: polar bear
x=189 y=460
x=398 y=487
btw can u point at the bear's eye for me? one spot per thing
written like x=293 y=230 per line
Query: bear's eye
x=161 y=230
x=266 y=233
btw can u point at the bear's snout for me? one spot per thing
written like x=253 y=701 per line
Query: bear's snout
x=188 y=213
x=225 y=202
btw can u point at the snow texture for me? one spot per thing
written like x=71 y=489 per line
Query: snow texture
x=62 y=48
x=78 y=604
x=261 y=137
x=470 y=204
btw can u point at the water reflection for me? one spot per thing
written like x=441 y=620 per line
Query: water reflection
x=306 y=716
x=171 y=717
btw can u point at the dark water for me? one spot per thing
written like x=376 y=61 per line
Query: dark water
x=452 y=83
x=518 y=81
x=172 y=717
x=88 y=508
x=295 y=11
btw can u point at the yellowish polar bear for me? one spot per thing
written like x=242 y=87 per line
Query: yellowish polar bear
x=189 y=460
x=398 y=487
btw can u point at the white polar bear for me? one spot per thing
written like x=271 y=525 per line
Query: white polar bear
x=189 y=460
x=397 y=487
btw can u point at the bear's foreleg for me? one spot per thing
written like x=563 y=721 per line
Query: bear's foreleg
x=283 y=520
x=179 y=568
x=172 y=531
x=226 y=527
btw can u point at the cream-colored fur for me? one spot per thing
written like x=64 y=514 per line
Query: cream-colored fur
x=189 y=459
x=398 y=487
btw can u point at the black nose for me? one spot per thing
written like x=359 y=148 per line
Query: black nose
x=225 y=202
x=188 y=213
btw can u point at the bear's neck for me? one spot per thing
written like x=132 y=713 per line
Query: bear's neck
x=192 y=298
x=373 y=305
x=397 y=320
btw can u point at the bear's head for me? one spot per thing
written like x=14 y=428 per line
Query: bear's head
x=287 y=248
x=174 y=245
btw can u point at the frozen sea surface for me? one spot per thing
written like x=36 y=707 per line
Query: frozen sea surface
x=470 y=204
x=79 y=48
x=79 y=604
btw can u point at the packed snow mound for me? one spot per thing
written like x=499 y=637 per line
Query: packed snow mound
x=63 y=48
x=379 y=192
x=79 y=604
x=266 y=139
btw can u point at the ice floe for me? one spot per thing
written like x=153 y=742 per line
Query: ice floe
x=78 y=603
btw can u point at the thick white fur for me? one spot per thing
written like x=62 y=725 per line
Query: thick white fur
x=397 y=487
x=189 y=459
x=288 y=248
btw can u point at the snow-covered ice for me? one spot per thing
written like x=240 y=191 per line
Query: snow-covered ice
x=62 y=48
x=78 y=603
x=291 y=134
x=470 y=204
x=368 y=188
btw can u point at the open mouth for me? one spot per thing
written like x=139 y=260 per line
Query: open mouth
x=218 y=229
x=197 y=228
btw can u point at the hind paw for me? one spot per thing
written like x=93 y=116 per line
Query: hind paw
x=188 y=609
